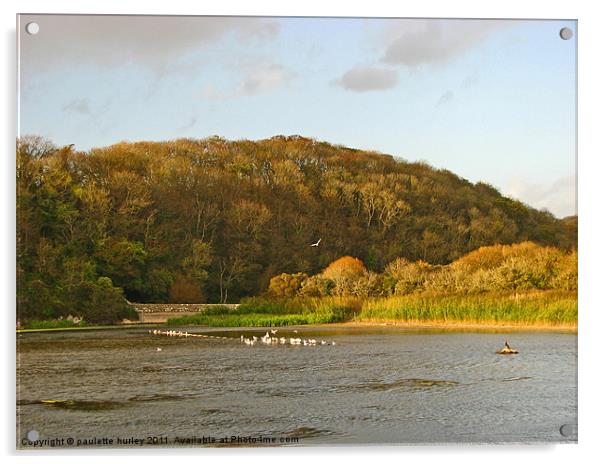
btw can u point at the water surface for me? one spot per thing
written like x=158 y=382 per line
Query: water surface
x=377 y=385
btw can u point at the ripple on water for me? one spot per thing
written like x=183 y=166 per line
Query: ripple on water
x=513 y=379
x=158 y=397
x=76 y=405
x=408 y=383
x=308 y=432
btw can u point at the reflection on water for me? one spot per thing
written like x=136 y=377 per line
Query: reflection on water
x=379 y=385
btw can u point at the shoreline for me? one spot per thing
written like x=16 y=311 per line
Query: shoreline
x=88 y=327
x=427 y=325
x=469 y=325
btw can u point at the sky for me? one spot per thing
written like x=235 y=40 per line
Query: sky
x=490 y=100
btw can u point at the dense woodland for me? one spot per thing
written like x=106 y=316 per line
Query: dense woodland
x=214 y=220
x=501 y=269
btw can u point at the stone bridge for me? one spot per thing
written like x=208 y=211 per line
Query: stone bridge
x=160 y=313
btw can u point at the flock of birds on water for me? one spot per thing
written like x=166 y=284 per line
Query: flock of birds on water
x=270 y=338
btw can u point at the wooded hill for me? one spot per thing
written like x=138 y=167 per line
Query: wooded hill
x=213 y=220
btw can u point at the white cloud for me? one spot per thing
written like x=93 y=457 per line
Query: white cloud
x=106 y=40
x=414 y=42
x=559 y=197
x=365 y=78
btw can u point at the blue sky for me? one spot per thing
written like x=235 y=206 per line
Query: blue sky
x=492 y=101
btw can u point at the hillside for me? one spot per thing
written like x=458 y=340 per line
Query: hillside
x=214 y=220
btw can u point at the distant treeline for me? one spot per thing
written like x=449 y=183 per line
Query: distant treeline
x=500 y=269
x=214 y=220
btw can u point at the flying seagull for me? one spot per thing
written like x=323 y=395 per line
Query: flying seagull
x=317 y=243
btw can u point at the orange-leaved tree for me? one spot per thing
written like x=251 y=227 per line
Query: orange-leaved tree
x=344 y=272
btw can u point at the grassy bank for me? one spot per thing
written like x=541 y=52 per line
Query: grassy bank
x=59 y=325
x=262 y=312
x=51 y=324
x=544 y=308
x=78 y=328
x=549 y=307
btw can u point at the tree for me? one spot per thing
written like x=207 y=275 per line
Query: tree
x=409 y=277
x=226 y=216
x=344 y=273
x=567 y=271
x=124 y=262
x=198 y=262
x=185 y=290
x=316 y=286
x=286 y=285
x=102 y=303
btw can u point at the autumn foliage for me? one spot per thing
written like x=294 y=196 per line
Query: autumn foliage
x=215 y=220
x=345 y=267
x=498 y=268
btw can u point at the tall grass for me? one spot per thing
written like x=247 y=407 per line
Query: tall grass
x=51 y=324
x=262 y=312
x=550 y=307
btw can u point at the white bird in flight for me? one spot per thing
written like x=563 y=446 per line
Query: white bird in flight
x=317 y=243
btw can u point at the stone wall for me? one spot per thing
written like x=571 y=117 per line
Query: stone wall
x=160 y=313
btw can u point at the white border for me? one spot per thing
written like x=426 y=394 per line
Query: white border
x=589 y=207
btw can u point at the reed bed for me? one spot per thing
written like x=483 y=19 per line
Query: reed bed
x=543 y=307
x=264 y=312
x=549 y=307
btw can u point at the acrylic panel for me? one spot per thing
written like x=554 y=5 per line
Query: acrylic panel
x=295 y=231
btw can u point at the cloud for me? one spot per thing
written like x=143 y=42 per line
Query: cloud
x=105 y=40
x=264 y=78
x=255 y=77
x=445 y=98
x=366 y=78
x=559 y=197
x=417 y=42
x=81 y=106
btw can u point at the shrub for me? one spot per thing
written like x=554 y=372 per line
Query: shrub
x=567 y=271
x=409 y=277
x=346 y=267
x=316 y=286
x=286 y=285
x=344 y=273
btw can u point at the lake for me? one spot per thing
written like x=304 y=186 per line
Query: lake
x=375 y=385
